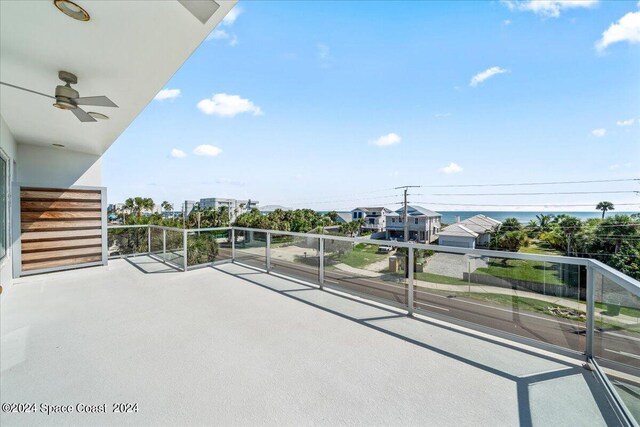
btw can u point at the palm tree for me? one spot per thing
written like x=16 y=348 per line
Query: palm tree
x=166 y=206
x=605 y=206
x=138 y=204
x=544 y=221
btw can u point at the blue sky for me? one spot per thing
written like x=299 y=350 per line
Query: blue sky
x=329 y=104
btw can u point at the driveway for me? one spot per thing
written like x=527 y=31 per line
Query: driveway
x=453 y=265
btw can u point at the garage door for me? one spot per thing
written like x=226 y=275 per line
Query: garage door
x=455 y=243
x=60 y=228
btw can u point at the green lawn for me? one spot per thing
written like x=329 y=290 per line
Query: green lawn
x=627 y=311
x=539 y=249
x=532 y=271
x=361 y=255
x=437 y=278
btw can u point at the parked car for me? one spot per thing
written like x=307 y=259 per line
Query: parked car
x=384 y=249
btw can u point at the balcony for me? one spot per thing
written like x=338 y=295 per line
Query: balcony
x=299 y=329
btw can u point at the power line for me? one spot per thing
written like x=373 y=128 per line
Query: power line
x=524 y=205
x=537 y=194
x=530 y=183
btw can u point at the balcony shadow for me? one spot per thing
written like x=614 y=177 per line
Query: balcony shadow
x=149 y=265
x=523 y=382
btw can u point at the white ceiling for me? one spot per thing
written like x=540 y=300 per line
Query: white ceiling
x=127 y=51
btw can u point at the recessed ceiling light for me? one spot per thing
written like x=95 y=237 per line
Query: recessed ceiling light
x=71 y=9
x=58 y=145
x=98 y=116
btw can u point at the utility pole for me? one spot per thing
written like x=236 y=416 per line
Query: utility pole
x=405 y=214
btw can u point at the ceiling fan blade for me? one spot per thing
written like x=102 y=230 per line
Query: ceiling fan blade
x=82 y=115
x=27 y=90
x=201 y=9
x=99 y=101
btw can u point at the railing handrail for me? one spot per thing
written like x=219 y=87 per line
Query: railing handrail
x=630 y=284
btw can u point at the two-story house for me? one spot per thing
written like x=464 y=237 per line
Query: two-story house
x=375 y=219
x=424 y=224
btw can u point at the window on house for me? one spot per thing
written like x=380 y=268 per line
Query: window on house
x=416 y=220
x=4 y=178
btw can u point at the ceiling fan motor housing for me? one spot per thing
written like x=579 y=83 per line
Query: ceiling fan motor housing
x=64 y=96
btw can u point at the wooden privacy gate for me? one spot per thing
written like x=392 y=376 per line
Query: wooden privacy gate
x=61 y=228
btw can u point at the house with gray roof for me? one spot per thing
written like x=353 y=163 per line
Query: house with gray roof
x=375 y=219
x=424 y=224
x=472 y=232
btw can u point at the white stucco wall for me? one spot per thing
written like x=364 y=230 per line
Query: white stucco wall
x=57 y=167
x=457 y=241
x=9 y=149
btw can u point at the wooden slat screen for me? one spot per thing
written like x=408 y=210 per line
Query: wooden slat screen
x=60 y=227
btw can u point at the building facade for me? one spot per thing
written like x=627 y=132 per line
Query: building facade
x=424 y=224
x=375 y=219
x=470 y=233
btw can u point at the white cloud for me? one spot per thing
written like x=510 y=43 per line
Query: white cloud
x=599 y=132
x=548 y=8
x=387 y=140
x=218 y=35
x=451 y=168
x=231 y=17
x=206 y=150
x=178 y=154
x=627 y=29
x=167 y=94
x=486 y=74
x=506 y=22
x=625 y=122
x=614 y=167
x=225 y=105
x=223 y=35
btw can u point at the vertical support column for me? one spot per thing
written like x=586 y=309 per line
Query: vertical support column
x=268 y=257
x=410 y=283
x=184 y=250
x=149 y=238
x=591 y=293
x=321 y=263
x=164 y=245
x=233 y=245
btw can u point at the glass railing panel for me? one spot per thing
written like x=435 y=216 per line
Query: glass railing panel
x=539 y=300
x=251 y=248
x=616 y=342
x=296 y=256
x=206 y=247
x=369 y=270
x=156 y=241
x=173 y=252
x=127 y=241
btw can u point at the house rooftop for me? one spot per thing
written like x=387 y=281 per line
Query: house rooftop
x=416 y=211
x=457 y=230
x=232 y=345
x=374 y=209
x=477 y=224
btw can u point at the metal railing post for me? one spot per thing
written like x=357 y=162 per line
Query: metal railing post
x=233 y=245
x=164 y=244
x=184 y=250
x=591 y=293
x=268 y=257
x=321 y=264
x=149 y=238
x=410 y=282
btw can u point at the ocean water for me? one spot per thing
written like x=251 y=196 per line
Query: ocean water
x=449 y=217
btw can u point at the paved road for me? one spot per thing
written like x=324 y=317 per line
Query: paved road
x=616 y=346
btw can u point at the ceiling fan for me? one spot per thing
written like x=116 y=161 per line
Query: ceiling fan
x=67 y=98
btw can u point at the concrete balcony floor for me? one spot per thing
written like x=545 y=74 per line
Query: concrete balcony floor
x=232 y=346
